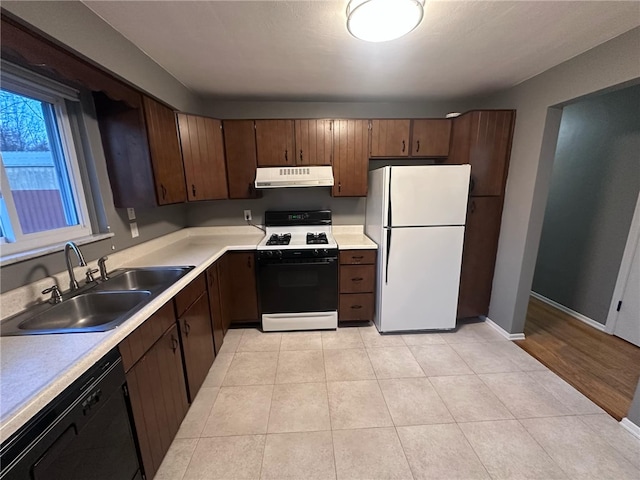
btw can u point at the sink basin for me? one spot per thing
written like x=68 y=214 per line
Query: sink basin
x=88 y=312
x=143 y=278
x=96 y=307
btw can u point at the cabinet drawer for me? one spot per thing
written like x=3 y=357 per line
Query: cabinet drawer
x=357 y=257
x=190 y=294
x=357 y=278
x=356 y=306
x=142 y=338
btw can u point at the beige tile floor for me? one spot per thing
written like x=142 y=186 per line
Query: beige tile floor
x=353 y=404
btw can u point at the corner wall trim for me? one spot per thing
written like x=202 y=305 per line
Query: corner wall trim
x=568 y=311
x=502 y=331
x=630 y=427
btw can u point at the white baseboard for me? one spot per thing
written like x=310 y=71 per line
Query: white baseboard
x=630 y=427
x=568 y=311
x=502 y=331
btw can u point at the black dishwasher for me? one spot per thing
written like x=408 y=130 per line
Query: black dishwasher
x=84 y=433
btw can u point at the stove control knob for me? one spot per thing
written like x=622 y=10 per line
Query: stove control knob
x=279 y=253
x=325 y=252
x=316 y=253
x=269 y=253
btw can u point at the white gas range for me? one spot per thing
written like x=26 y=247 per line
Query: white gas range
x=298 y=271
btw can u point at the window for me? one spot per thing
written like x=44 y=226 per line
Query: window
x=42 y=201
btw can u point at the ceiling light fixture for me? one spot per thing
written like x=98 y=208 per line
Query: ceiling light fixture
x=383 y=20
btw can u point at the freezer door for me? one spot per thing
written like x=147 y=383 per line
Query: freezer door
x=419 y=278
x=428 y=195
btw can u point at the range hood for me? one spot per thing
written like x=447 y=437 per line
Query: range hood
x=281 y=177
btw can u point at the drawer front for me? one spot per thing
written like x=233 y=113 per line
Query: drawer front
x=190 y=294
x=357 y=257
x=356 y=306
x=357 y=278
x=142 y=338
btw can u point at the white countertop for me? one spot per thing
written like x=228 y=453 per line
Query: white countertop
x=352 y=237
x=34 y=369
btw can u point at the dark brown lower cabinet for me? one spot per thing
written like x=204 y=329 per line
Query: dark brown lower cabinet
x=217 y=324
x=197 y=343
x=479 y=255
x=238 y=288
x=158 y=399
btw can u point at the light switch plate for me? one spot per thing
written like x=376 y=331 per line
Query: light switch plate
x=134 y=230
x=131 y=213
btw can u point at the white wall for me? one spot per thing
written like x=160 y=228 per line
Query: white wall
x=611 y=64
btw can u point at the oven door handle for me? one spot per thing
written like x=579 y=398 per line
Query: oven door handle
x=277 y=263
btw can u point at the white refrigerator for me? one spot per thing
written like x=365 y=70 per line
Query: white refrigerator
x=416 y=215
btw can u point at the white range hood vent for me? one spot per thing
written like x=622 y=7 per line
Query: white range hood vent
x=281 y=177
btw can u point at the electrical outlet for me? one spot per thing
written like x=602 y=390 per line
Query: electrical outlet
x=134 y=229
x=247 y=215
x=131 y=213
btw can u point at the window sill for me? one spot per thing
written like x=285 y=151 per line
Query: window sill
x=57 y=247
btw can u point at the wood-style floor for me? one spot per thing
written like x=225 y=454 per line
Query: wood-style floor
x=603 y=367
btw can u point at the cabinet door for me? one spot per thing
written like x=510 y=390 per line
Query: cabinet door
x=275 y=143
x=350 y=158
x=479 y=255
x=483 y=139
x=489 y=151
x=158 y=399
x=430 y=137
x=126 y=150
x=313 y=142
x=390 y=138
x=197 y=343
x=240 y=154
x=203 y=157
x=165 y=152
x=217 y=324
x=238 y=280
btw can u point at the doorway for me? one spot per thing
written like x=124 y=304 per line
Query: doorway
x=592 y=198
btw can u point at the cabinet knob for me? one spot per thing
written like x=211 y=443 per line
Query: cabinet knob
x=174 y=343
x=187 y=328
x=339 y=187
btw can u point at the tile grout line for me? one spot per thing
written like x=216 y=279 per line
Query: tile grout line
x=266 y=433
x=326 y=386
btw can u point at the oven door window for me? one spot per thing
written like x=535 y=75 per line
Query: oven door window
x=298 y=287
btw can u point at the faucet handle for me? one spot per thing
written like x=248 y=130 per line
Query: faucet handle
x=89 y=275
x=56 y=296
x=102 y=265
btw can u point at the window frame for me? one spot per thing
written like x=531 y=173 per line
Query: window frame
x=25 y=83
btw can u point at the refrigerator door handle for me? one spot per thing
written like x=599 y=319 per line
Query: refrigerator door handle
x=389 y=224
x=386 y=267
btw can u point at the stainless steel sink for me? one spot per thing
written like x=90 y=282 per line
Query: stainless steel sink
x=143 y=278
x=88 y=312
x=96 y=307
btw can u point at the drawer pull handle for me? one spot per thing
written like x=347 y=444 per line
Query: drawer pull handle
x=359 y=257
x=356 y=307
x=357 y=279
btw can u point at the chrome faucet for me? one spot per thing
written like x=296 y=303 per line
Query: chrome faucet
x=67 y=248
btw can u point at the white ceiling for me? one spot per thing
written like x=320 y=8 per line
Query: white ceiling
x=302 y=50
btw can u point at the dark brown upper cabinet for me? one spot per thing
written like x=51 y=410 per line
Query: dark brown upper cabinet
x=275 y=143
x=203 y=157
x=314 y=142
x=430 y=137
x=240 y=154
x=418 y=138
x=390 y=138
x=142 y=152
x=483 y=139
x=350 y=158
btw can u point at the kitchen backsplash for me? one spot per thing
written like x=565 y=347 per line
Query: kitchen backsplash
x=346 y=211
